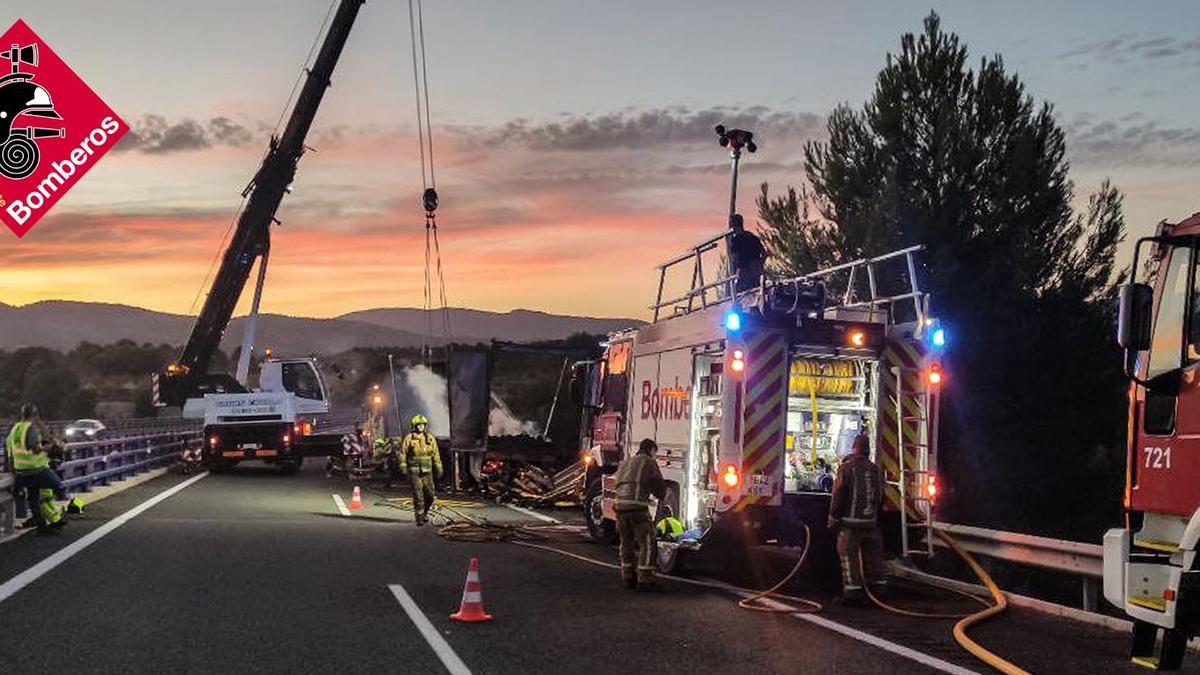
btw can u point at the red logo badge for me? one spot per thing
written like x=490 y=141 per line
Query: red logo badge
x=53 y=128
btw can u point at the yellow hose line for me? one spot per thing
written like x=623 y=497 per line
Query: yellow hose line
x=748 y=603
x=826 y=377
x=960 y=628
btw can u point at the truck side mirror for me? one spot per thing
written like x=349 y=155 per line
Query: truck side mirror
x=1135 y=309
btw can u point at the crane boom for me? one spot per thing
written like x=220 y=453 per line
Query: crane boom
x=189 y=377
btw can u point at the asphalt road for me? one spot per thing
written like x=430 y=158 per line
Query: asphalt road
x=253 y=571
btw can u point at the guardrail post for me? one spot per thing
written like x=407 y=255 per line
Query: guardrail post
x=1091 y=595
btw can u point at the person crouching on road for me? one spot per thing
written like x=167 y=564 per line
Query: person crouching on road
x=637 y=479
x=854 y=517
x=26 y=447
x=423 y=463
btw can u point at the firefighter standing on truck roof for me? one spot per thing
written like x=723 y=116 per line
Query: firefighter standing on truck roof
x=854 y=516
x=26 y=447
x=637 y=478
x=746 y=254
x=423 y=463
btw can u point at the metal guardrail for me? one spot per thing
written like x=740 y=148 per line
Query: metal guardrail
x=1055 y=554
x=1071 y=557
x=102 y=462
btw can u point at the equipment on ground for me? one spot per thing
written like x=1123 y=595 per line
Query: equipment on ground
x=264 y=424
x=1151 y=566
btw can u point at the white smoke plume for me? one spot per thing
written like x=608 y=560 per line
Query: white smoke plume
x=423 y=391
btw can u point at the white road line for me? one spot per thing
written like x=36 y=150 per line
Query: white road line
x=534 y=514
x=443 y=650
x=341 y=505
x=15 y=584
x=900 y=650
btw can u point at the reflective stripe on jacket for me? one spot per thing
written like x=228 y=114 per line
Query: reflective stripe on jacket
x=20 y=456
x=421 y=454
x=857 y=492
x=637 y=478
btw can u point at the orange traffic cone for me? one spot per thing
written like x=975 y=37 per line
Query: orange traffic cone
x=356 y=499
x=471 y=609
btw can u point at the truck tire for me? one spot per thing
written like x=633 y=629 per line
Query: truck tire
x=601 y=530
x=291 y=467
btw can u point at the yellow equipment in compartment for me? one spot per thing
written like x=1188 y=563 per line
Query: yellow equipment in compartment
x=822 y=378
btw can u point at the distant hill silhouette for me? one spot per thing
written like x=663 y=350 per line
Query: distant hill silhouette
x=62 y=325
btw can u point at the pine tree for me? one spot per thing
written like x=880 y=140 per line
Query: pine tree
x=966 y=163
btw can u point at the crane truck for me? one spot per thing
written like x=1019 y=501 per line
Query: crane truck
x=1151 y=567
x=754 y=394
x=291 y=400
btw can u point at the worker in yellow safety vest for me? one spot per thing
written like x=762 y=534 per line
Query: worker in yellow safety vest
x=422 y=461
x=26 y=447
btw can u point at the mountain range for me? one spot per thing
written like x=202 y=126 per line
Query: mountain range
x=62 y=325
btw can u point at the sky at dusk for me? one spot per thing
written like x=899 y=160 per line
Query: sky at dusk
x=573 y=140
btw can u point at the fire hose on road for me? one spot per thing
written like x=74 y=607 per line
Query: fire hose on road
x=458 y=526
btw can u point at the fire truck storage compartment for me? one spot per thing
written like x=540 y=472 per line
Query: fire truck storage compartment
x=830 y=401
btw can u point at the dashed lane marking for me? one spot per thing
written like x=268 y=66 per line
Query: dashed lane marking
x=440 y=647
x=341 y=505
x=15 y=584
x=534 y=514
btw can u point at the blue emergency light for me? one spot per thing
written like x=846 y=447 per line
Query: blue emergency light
x=733 y=322
x=938 y=338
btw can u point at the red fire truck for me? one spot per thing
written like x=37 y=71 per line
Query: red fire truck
x=753 y=397
x=1151 y=569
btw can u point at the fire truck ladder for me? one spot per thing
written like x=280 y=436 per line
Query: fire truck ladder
x=916 y=512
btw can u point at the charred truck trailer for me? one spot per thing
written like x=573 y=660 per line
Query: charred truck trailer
x=754 y=397
x=1151 y=566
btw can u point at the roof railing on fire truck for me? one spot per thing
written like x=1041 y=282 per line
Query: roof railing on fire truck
x=854 y=270
x=702 y=294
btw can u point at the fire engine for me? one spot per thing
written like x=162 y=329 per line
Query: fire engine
x=754 y=395
x=1151 y=569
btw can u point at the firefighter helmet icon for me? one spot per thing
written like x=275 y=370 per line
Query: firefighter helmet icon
x=19 y=95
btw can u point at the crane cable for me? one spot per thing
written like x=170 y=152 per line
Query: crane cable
x=429 y=196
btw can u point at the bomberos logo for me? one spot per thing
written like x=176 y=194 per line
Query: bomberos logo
x=53 y=128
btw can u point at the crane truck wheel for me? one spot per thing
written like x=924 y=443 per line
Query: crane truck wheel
x=291 y=467
x=601 y=530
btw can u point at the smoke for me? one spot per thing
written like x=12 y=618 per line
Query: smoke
x=502 y=421
x=420 y=390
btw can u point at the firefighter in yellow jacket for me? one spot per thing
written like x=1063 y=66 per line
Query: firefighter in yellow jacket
x=637 y=479
x=422 y=461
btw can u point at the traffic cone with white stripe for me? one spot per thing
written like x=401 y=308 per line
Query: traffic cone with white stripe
x=356 y=499
x=471 y=609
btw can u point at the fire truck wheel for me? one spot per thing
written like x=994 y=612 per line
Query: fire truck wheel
x=601 y=530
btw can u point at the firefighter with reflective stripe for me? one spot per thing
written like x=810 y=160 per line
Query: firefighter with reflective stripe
x=27 y=449
x=638 y=478
x=854 y=516
x=423 y=463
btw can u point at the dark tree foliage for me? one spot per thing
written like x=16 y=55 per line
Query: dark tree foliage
x=966 y=163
